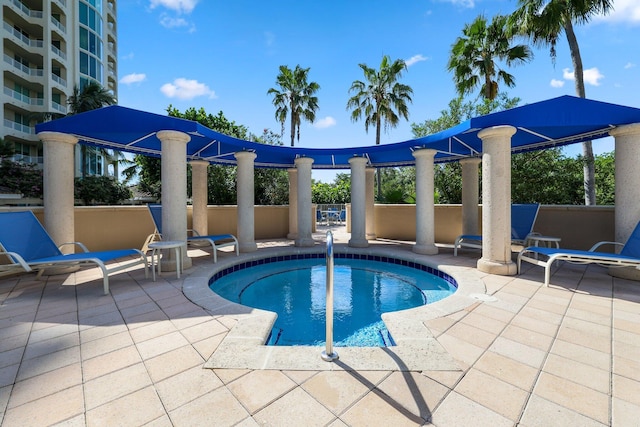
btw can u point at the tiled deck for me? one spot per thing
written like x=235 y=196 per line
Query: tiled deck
x=567 y=355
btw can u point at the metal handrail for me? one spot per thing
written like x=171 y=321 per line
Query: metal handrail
x=328 y=355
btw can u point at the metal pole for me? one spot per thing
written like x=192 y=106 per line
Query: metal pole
x=328 y=355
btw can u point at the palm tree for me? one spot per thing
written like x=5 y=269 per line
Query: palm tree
x=295 y=98
x=544 y=21
x=381 y=98
x=473 y=57
x=92 y=97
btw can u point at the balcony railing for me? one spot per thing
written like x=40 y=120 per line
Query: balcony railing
x=59 y=80
x=21 y=158
x=59 y=24
x=21 y=37
x=62 y=3
x=19 y=127
x=24 y=9
x=34 y=72
x=58 y=52
x=23 y=98
x=59 y=107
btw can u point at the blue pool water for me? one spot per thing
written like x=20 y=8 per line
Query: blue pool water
x=363 y=290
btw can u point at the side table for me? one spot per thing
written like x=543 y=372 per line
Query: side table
x=157 y=247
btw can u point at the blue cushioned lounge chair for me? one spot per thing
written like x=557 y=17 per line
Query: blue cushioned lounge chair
x=523 y=217
x=216 y=241
x=30 y=248
x=629 y=256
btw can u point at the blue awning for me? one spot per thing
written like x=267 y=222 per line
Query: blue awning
x=551 y=123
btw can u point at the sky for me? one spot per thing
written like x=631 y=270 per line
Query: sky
x=225 y=56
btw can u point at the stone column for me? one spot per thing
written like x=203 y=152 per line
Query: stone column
x=246 y=198
x=425 y=208
x=199 y=196
x=58 y=197
x=496 y=201
x=370 y=189
x=293 y=203
x=173 y=172
x=358 y=203
x=627 y=192
x=470 y=195
x=305 y=237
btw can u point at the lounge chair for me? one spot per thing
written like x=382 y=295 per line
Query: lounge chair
x=28 y=246
x=523 y=217
x=216 y=241
x=629 y=256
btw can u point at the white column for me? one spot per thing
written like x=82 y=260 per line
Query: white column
x=496 y=201
x=199 y=196
x=370 y=189
x=470 y=195
x=358 y=203
x=246 y=198
x=173 y=171
x=305 y=237
x=58 y=186
x=627 y=192
x=425 y=209
x=293 y=203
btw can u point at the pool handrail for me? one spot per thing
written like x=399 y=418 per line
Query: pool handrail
x=328 y=355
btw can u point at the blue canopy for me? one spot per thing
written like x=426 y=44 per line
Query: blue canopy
x=551 y=123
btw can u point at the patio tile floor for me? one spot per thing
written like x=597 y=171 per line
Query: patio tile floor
x=567 y=355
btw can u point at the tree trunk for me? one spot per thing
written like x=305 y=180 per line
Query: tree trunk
x=293 y=127
x=378 y=180
x=587 y=148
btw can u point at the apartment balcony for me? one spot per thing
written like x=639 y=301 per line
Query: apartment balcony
x=23 y=69
x=24 y=10
x=19 y=127
x=23 y=98
x=59 y=107
x=21 y=38
x=62 y=3
x=58 y=52
x=59 y=80
x=59 y=25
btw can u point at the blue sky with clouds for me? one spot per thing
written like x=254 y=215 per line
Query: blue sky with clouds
x=224 y=56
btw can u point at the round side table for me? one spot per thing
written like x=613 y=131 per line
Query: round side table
x=157 y=247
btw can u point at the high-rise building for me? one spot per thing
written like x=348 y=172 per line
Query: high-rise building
x=48 y=47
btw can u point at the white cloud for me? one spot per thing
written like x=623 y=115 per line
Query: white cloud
x=128 y=56
x=169 y=22
x=269 y=38
x=591 y=76
x=327 y=122
x=414 y=59
x=133 y=78
x=623 y=11
x=180 y=6
x=556 y=83
x=464 y=3
x=185 y=89
x=629 y=65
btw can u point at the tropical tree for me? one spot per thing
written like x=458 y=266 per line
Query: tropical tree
x=544 y=21
x=381 y=98
x=91 y=97
x=474 y=54
x=295 y=98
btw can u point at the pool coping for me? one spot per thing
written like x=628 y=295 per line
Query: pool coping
x=416 y=348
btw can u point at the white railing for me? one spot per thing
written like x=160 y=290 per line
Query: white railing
x=23 y=98
x=59 y=80
x=59 y=24
x=58 y=107
x=34 y=72
x=24 y=9
x=19 y=127
x=62 y=3
x=58 y=52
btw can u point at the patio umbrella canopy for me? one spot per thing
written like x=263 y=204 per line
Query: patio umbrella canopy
x=551 y=123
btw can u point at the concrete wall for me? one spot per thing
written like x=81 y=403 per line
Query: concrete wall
x=115 y=227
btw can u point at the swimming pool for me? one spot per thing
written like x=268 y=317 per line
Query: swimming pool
x=365 y=287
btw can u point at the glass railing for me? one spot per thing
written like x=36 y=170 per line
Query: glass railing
x=59 y=80
x=62 y=3
x=58 y=52
x=58 y=24
x=59 y=107
x=34 y=72
x=27 y=159
x=22 y=98
x=19 y=127
x=24 y=9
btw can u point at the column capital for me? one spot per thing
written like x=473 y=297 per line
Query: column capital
x=358 y=160
x=303 y=161
x=497 y=131
x=57 y=137
x=198 y=162
x=471 y=161
x=624 y=130
x=173 y=135
x=247 y=155
x=424 y=152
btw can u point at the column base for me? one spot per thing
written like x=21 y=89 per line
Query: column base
x=425 y=249
x=292 y=236
x=247 y=247
x=305 y=242
x=371 y=236
x=358 y=243
x=629 y=273
x=508 y=268
x=169 y=263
